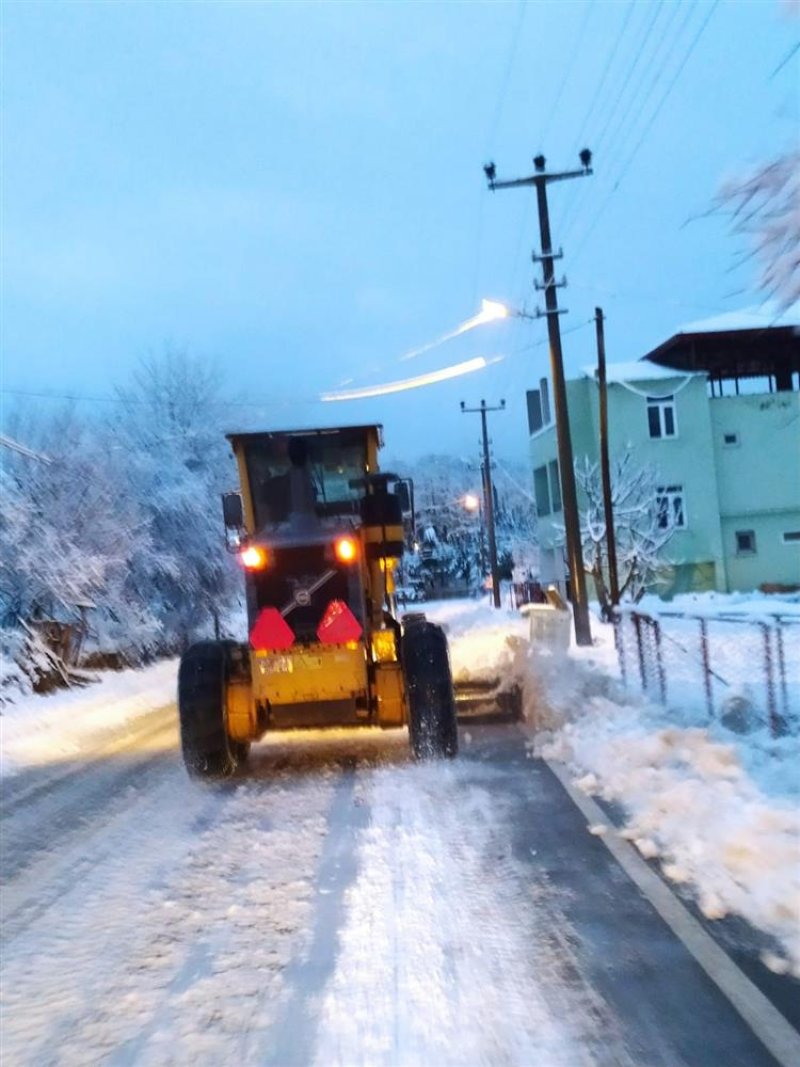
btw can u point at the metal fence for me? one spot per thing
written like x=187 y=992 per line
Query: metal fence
x=715 y=665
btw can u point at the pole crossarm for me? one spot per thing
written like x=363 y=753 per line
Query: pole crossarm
x=540 y=178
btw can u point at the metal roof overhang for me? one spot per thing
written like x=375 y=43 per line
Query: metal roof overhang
x=755 y=353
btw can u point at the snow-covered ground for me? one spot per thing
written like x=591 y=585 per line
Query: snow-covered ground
x=59 y=727
x=718 y=810
x=442 y=959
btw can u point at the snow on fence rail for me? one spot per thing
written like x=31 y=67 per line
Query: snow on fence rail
x=732 y=664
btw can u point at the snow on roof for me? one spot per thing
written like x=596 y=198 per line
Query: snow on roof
x=640 y=371
x=751 y=318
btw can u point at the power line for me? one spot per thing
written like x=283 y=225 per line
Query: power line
x=573 y=55
x=645 y=97
x=786 y=59
x=618 y=119
x=627 y=123
x=640 y=50
x=584 y=126
x=513 y=46
x=87 y=397
x=632 y=155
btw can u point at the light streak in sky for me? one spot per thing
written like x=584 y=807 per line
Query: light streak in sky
x=490 y=311
x=455 y=371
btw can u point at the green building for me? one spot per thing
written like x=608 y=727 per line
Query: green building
x=716 y=411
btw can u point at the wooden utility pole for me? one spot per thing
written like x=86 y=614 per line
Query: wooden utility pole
x=605 y=464
x=488 y=495
x=572 y=526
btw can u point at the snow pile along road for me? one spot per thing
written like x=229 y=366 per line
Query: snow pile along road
x=718 y=810
x=43 y=730
x=484 y=642
x=688 y=797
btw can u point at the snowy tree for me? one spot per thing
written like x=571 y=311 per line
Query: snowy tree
x=456 y=547
x=517 y=544
x=177 y=464
x=68 y=530
x=643 y=526
x=765 y=205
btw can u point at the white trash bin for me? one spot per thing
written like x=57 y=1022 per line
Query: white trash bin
x=550 y=627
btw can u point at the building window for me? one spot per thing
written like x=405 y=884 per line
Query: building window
x=539 y=407
x=670 y=507
x=661 y=418
x=745 y=542
x=555 y=485
x=730 y=440
x=541 y=490
x=544 y=390
x=535 y=421
x=791 y=537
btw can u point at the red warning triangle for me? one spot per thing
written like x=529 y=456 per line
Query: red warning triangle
x=339 y=625
x=271 y=631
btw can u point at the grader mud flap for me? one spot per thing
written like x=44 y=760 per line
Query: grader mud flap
x=488 y=700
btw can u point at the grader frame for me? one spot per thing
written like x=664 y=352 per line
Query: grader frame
x=319 y=532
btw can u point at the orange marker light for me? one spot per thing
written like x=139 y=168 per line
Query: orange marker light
x=254 y=558
x=346 y=549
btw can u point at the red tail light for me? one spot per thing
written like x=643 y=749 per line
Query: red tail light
x=253 y=558
x=339 y=625
x=346 y=549
x=271 y=632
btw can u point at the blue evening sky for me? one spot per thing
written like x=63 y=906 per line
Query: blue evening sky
x=296 y=190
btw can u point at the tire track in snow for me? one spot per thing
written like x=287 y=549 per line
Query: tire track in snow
x=445 y=955
x=290 y=1041
x=171 y=948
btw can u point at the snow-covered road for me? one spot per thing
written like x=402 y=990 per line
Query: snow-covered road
x=337 y=906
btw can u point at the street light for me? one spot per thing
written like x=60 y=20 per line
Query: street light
x=503 y=311
x=472 y=503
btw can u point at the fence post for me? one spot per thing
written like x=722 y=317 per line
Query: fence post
x=706 y=667
x=619 y=643
x=774 y=721
x=782 y=663
x=662 y=674
x=637 y=625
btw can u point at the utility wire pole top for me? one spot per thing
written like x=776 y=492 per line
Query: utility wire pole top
x=541 y=175
x=488 y=493
x=540 y=180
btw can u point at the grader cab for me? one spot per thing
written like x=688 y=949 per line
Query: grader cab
x=319 y=531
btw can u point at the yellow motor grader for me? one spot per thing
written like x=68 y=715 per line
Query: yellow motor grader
x=319 y=531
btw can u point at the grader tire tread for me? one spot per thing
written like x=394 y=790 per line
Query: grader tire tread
x=432 y=726
x=208 y=752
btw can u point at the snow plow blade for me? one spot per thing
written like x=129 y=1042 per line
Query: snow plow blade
x=488 y=700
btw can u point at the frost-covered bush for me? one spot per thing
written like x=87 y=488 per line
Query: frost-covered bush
x=641 y=531
x=117 y=520
x=26 y=664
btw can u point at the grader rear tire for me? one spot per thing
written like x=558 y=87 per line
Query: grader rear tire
x=432 y=725
x=208 y=752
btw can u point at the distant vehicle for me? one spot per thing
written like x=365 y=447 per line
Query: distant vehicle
x=318 y=531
